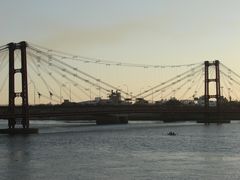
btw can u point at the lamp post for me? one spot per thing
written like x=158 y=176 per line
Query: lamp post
x=131 y=95
x=142 y=88
x=174 y=93
x=150 y=87
x=63 y=85
x=34 y=91
x=127 y=89
x=99 y=87
x=70 y=92
x=222 y=91
x=39 y=96
x=90 y=93
x=162 y=91
x=229 y=95
x=119 y=88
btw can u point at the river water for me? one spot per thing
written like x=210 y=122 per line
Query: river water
x=65 y=151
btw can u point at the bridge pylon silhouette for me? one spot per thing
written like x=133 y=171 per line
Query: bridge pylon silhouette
x=215 y=80
x=24 y=115
x=212 y=115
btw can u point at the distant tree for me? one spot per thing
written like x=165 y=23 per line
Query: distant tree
x=173 y=102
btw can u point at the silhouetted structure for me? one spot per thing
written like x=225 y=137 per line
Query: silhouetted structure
x=208 y=80
x=24 y=93
x=114 y=106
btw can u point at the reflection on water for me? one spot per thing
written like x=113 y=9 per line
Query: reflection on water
x=17 y=158
x=134 y=151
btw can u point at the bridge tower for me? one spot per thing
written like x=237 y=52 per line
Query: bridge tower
x=215 y=80
x=24 y=111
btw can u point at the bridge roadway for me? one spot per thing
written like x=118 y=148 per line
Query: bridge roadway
x=159 y=112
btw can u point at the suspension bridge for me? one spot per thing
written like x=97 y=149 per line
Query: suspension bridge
x=38 y=82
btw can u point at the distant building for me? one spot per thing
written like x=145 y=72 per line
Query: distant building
x=187 y=102
x=201 y=102
x=115 y=97
x=141 y=101
x=162 y=101
x=66 y=101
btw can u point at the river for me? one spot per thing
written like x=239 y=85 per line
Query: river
x=64 y=150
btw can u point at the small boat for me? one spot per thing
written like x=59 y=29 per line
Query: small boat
x=171 y=133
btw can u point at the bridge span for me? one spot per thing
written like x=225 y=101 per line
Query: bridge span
x=129 y=112
x=52 y=68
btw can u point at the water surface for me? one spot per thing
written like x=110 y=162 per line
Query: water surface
x=135 y=151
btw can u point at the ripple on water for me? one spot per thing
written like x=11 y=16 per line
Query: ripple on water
x=133 y=151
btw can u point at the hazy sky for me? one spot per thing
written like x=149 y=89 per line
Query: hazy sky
x=135 y=31
x=152 y=31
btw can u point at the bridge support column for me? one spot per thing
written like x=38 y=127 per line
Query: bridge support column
x=213 y=115
x=11 y=95
x=24 y=93
x=207 y=96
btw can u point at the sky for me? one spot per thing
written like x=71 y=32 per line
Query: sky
x=162 y=32
x=153 y=31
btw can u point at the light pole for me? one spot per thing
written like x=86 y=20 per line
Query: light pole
x=70 y=92
x=229 y=95
x=222 y=91
x=90 y=93
x=162 y=91
x=127 y=89
x=119 y=88
x=174 y=93
x=142 y=88
x=34 y=91
x=131 y=95
x=150 y=87
x=62 y=85
x=39 y=96
x=99 y=88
